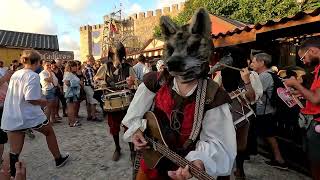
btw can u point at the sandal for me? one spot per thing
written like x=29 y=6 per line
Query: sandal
x=58 y=118
x=76 y=124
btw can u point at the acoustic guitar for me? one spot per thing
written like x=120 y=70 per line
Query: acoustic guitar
x=159 y=149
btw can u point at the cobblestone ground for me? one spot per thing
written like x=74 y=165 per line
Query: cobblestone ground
x=91 y=149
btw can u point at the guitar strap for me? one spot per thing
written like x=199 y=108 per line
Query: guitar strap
x=199 y=112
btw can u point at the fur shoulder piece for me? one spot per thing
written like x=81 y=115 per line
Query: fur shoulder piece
x=151 y=81
x=216 y=96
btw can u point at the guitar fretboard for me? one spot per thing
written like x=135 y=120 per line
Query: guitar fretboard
x=178 y=160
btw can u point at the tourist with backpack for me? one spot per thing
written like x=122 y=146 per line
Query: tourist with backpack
x=310 y=55
x=265 y=110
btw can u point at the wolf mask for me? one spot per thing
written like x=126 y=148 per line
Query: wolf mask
x=188 y=47
x=117 y=53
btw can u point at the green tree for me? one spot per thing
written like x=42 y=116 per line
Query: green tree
x=310 y=4
x=247 y=11
x=254 y=11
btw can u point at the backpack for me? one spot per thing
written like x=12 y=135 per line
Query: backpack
x=275 y=100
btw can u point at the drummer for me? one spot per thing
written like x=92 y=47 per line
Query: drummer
x=113 y=73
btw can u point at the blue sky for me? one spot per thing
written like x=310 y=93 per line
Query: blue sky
x=64 y=17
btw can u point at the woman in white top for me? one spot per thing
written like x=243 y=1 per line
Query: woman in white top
x=71 y=89
x=22 y=110
x=49 y=83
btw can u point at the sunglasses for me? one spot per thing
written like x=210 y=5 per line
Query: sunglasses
x=302 y=58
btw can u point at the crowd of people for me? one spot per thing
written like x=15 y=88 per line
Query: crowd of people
x=199 y=118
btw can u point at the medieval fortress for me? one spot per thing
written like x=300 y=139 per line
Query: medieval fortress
x=135 y=30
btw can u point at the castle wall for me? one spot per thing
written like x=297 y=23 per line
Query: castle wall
x=140 y=25
x=88 y=43
x=85 y=39
x=144 y=22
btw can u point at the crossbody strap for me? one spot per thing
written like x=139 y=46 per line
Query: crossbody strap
x=199 y=112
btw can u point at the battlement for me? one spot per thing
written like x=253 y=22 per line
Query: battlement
x=85 y=28
x=93 y=27
x=174 y=9
x=97 y=26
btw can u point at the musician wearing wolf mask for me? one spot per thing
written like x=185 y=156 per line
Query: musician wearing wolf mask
x=114 y=71
x=211 y=146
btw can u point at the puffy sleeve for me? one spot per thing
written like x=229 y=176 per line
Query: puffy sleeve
x=101 y=73
x=141 y=103
x=217 y=145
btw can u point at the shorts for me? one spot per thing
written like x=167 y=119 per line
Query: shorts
x=50 y=94
x=89 y=95
x=3 y=135
x=72 y=99
x=313 y=143
x=266 y=125
x=39 y=126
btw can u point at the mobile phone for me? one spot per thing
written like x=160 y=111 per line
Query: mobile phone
x=13 y=159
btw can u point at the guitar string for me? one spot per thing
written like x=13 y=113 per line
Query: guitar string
x=184 y=161
x=173 y=156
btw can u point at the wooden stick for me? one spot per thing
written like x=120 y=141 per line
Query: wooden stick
x=231 y=67
x=102 y=89
x=120 y=82
x=110 y=90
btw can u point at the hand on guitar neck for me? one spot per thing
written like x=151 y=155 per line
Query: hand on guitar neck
x=181 y=173
x=139 y=141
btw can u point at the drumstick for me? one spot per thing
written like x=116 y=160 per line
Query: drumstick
x=231 y=67
x=110 y=90
x=120 y=82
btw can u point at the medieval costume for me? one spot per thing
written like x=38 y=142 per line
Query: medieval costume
x=112 y=73
x=214 y=143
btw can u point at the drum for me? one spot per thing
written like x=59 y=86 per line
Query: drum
x=117 y=101
x=240 y=109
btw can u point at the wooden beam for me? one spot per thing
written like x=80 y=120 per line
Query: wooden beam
x=305 y=20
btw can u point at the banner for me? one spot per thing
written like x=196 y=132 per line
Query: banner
x=53 y=55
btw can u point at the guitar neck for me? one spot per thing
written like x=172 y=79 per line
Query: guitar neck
x=178 y=160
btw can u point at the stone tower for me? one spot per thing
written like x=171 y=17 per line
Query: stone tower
x=85 y=41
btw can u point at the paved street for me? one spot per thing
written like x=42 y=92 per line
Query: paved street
x=91 y=150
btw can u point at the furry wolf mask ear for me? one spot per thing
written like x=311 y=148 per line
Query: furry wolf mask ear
x=188 y=47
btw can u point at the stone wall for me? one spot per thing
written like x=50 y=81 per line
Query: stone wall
x=140 y=25
x=144 y=22
x=85 y=41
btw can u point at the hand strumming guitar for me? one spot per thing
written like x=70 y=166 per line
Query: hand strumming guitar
x=184 y=173
x=139 y=141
